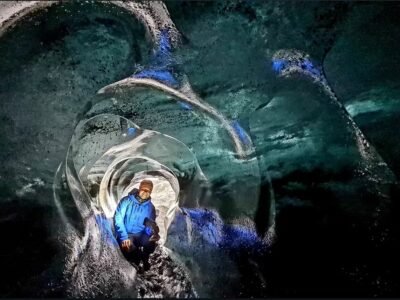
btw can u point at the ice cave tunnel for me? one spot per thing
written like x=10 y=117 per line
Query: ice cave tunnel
x=269 y=130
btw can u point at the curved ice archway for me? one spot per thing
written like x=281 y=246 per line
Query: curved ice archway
x=243 y=150
x=74 y=171
x=153 y=14
x=109 y=154
x=155 y=17
x=289 y=62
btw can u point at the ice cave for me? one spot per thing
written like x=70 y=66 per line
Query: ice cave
x=268 y=130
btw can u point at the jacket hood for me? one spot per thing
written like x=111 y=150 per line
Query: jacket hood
x=133 y=195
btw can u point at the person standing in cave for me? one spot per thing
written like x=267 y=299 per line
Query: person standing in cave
x=135 y=226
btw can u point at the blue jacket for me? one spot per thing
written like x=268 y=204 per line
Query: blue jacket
x=130 y=216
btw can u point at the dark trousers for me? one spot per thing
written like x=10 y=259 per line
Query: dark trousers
x=141 y=248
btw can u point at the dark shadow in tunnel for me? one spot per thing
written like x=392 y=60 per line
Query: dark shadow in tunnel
x=27 y=250
x=262 y=216
x=322 y=251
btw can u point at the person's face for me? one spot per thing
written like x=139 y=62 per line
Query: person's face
x=144 y=192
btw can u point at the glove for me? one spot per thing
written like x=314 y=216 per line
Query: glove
x=154 y=237
x=154 y=228
x=153 y=225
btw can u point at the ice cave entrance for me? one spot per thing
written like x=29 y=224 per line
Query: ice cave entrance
x=109 y=156
x=164 y=195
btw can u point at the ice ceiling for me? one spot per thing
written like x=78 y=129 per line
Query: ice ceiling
x=269 y=130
